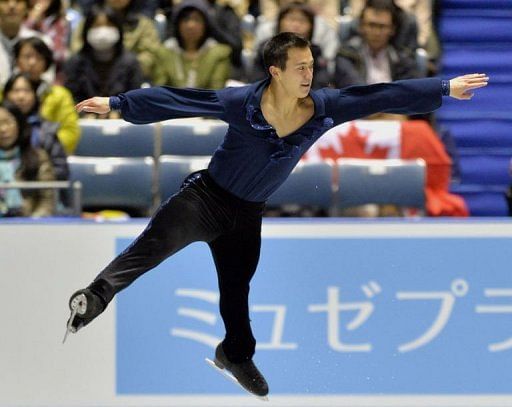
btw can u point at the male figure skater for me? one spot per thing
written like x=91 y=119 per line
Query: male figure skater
x=271 y=125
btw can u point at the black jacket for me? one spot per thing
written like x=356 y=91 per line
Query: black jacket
x=351 y=68
x=85 y=78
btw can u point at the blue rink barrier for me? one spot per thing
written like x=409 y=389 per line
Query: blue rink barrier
x=332 y=315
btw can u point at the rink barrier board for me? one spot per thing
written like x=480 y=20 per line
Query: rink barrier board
x=43 y=262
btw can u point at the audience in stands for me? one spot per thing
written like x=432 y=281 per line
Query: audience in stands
x=225 y=27
x=12 y=15
x=371 y=56
x=146 y=7
x=193 y=58
x=48 y=17
x=324 y=35
x=300 y=19
x=406 y=27
x=422 y=10
x=140 y=35
x=19 y=161
x=115 y=46
x=21 y=91
x=329 y=10
x=33 y=57
x=102 y=67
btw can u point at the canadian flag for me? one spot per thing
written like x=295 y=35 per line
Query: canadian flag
x=396 y=139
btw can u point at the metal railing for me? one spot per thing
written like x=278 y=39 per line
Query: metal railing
x=75 y=188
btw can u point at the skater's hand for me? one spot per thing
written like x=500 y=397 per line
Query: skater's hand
x=461 y=87
x=96 y=104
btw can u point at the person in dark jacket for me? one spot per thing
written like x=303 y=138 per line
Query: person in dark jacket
x=22 y=92
x=103 y=66
x=298 y=18
x=272 y=123
x=371 y=57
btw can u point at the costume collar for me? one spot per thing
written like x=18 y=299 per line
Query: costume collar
x=253 y=109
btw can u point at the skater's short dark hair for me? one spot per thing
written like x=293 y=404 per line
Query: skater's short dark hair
x=275 y=52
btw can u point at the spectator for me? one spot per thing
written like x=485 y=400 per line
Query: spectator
x=139 y=34
x=33 y=57
x=420 y=9
x=299 y=19
x=193 y=58
x=19 y=161
x=12 y=15
x=102 y=67
x=48 y=17
x=328 y=9
x=225 y=27
x=324 y=35
x=371 y=57
x=146 y=7
x=21 y=91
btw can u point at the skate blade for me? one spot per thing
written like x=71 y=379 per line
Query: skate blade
x=229 y=376
x=69 y=327
x=78 y=306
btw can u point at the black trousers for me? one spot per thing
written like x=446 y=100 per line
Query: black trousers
x=201 y=211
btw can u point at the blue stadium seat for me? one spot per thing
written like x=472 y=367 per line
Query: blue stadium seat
x=481 y=4
x=454 y=28
x=309 y=184
x=485 y=169
x=477 y=133
x=393 y=181
x=114 y=182
x=488 y=102
x=174 y=169
x=192 y=137
x=493 y=60
x=483 y=200
x=106 y=138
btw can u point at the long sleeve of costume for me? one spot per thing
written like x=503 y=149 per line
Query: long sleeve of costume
x=408 y=97
x=163 y=103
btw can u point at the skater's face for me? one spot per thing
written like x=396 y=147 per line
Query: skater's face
x=31 y=62
x=377 y=28
x=8 y=129
x=22 y=95
x=297 y=76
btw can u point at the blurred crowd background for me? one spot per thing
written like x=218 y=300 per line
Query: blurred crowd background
x=55 y=53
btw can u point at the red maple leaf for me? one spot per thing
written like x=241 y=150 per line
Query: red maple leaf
x=354 y=146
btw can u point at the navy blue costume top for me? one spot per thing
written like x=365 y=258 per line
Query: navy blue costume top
x=252 y=161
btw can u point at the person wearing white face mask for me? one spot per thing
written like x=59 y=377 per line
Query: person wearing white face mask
x=140 y=35
x=103 y=66
x=103 y=39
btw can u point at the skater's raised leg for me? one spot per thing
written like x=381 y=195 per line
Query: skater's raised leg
x=194 y=214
